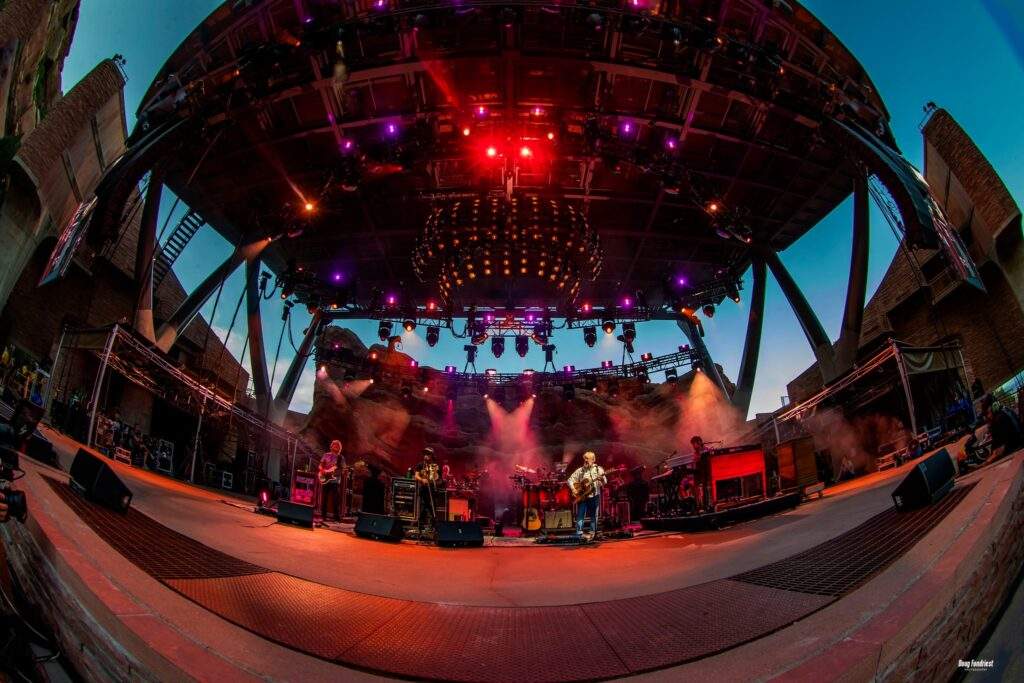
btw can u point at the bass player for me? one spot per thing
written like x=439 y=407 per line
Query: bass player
x=330 y=482
x=586 y=484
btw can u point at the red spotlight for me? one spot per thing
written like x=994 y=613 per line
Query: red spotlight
x=525 y=152
x=431 y=306
x=492 y=152
x=465 y=131
x=309 y=207
x=586 y=308
x=551 y=136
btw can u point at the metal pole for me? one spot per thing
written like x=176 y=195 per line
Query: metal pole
x=47 y=399
x=195 y=445
x=853 y=315
x=906 y=389
x=752 y=344
x=96 y=389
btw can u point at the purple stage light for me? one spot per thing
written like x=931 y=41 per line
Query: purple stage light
x=391 y=299
x=337 y=277
x=627 y=302
x=569 y=369
x=681 y=281
x=449 y=369
x=413 y=364
x=391 y=129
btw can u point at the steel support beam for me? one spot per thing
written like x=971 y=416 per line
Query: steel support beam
x=856 y=290
x=693 y=335
x=812 y=328
x=752 y=344
x=257 y=352
x=286 y=391
x=191 y=306
x=144 y=253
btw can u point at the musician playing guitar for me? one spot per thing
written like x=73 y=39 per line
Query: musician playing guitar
x=429 y=482
x=330 y=481
x=586 y=484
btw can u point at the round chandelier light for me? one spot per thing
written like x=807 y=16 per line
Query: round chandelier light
x=481 y=242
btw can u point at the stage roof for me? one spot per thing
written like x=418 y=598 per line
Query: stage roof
x=678 y=130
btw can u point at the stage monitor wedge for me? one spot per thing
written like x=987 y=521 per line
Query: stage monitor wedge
x=931 y=479
x=379 y=527
x=460 y=534
x=295 y=513
x=97 y=481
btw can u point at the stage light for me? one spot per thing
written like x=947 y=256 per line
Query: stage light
x=645 y=357
x=450 y=369
x=709 y=311
x=522 y=345
x=426 y=389
x=528 y=372
x=466 y=132
x=537 y=111
x=479 y=337
x=384 y=331
x=498 y=346
x=608 y=326
x=492 y=151
x=629 y=332
x=627 y=302
x=308 y=206
x=671 y=376
x=470 y=353
x=481 y=111
x=713 y=207
x=346 y=145
x=590 y=335
x=733 y=292
x=681 y=281
x=626 y=128
x=569 y=369
x=323 y=369
x=392 y=300
x=549 y=353
x=431 y=306
x=585 y=308
x=433 y=335
x=373 y=355
x=409 y=324
x=525 y=152
x=605 y=364
x=414 y=364
x=551 y=136
x=685 y=348
x=670 y=143
x=391 y=130
x=490 y=372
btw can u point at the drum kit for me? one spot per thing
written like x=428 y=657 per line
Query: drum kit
x=546 y=497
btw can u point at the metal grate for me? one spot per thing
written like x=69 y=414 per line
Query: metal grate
x=846 y=562
x=152 y=547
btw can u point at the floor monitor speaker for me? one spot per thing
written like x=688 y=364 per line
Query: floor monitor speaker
x=295 y=513
x=460 y=534
x=929 y=480
x=96 y=480
x=379 y=527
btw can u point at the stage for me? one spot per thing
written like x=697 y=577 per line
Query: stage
x=195 y=584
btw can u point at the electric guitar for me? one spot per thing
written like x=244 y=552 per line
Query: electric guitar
x=328 y=474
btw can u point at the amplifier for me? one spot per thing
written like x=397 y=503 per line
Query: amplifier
x=403 y=498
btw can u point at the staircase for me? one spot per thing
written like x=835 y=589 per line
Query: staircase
x=183 y=233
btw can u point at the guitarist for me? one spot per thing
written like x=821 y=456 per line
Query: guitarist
x=428 y=486
x=330 y=481
x=586 y=484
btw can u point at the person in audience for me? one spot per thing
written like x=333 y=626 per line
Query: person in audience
x=1004 y=428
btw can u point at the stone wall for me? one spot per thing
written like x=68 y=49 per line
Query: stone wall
x=971 y=603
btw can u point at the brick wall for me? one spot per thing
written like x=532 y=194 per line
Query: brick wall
x=990 y=325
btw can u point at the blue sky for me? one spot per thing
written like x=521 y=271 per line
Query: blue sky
x=964 y=55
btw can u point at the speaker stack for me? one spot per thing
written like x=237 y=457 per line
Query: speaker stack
x=930 y=480
x=97 y=481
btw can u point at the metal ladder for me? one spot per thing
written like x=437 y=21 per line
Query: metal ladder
x=182 y=234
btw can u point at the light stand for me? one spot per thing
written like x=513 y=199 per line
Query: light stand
x=549 y=357
x=470 y=358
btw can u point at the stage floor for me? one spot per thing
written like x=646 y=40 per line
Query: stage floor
x=515 y=612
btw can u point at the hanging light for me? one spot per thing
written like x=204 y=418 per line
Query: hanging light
x=433 y=335
x=608 y=326
x=590 y=335
x=498 y=346
x=409 y=324
x=384 y=330
x=522 y=345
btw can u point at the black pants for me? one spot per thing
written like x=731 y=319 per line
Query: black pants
x=428 y=499
x=330 y=500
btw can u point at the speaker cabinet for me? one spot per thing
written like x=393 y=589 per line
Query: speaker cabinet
x=295 y=513
x=379 y=527
x=97 y=481
x=930 y=480
x=460 y=534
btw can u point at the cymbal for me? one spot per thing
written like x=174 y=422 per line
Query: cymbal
x=524 y=468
